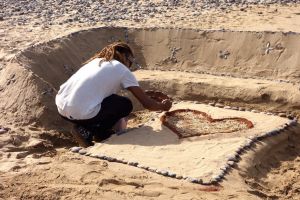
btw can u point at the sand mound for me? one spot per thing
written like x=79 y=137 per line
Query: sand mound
x=30 y=82
x=272 y=169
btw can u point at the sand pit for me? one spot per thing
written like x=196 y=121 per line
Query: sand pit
x=201 y=159
x=193 y=67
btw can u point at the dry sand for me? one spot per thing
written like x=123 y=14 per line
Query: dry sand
x=35 y=166
x=156 y=146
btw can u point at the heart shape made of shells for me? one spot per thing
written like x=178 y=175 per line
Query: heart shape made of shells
x=188 y=123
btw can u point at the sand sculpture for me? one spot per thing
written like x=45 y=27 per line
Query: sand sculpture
x=199 y=79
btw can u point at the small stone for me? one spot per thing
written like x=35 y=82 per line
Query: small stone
x=22 y=154
x=219 y=105
x=75 y=149
x=261 y=137
x=105 y=157
x=234 y=108
x=124 y=161
x=178 y=177
x=133 y=163
x=224 y=168
x=240 y=150
x=273 y=132
x=248 y=143
x=216 y=178
x=143 y=167
x=282 y=114
x=222 y=173
x=101 y=156
x=233 y=158
x=230 y=163
x=110 y=159
x=151 y=169
x=227 y=107
x=162 y=172
x=206 y=182
x=293 y=122
x=82 y=151
x=193 y=180
x=253 y=138
x=211 y=104
x=241 y=109
x=93 y=155
x=172 y=174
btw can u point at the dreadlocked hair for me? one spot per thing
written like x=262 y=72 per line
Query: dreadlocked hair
x=113 y=52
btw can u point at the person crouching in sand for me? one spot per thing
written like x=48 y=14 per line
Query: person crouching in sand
x=89 y=97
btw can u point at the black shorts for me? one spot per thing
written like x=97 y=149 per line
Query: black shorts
x=113 y=108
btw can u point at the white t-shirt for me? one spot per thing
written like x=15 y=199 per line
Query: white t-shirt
x=81 y=95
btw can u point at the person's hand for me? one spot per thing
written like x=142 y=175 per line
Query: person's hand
x=167 y=104
x=157 y=96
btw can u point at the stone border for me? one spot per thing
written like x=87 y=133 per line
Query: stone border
x=222 y=74
x=231 y=160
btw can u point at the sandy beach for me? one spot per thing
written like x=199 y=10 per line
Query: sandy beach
x=228 y=59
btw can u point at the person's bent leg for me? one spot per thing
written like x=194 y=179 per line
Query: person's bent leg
x=80 y=133
x=113 y=108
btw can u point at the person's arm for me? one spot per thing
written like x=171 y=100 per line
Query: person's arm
x=148 y=102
